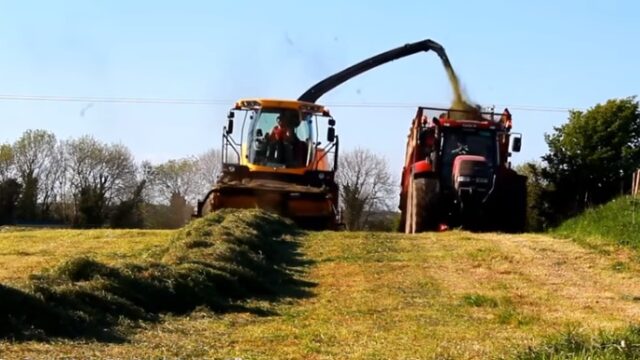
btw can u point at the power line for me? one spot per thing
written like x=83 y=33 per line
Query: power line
x=415 y=105
x=88 y=99
x=173 y=101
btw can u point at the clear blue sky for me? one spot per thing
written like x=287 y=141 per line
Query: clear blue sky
x=567 y=54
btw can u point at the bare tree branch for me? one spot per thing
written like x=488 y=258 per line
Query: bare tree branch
x=366 y=186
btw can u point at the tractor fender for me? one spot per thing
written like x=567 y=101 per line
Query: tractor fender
x=421 y=167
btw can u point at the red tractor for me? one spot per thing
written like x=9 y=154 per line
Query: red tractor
x=457 y=173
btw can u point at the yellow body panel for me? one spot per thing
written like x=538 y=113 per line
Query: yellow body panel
x=300 y=208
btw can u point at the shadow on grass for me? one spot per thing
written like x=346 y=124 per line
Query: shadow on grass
x=215 y=262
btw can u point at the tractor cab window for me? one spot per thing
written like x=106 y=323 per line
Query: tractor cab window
x=472 y=142
x=280 y=138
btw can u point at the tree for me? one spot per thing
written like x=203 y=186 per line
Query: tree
x=179 y=212
x=177 y=178
x=366 y=186
x=537 y=190
x=28 y=201
x=6 y=161
x=129 y=213
x=35 y=159
x=90 y=208
x=209 y=168
x=591 y=157
x=178 y=183
x=9 y=194
x=100 y=175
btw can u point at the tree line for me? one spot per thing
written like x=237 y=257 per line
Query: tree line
x=87 y=183
x=590 y=161
x=84 y=182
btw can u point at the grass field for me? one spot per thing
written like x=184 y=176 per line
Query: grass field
x=23 y=252
x=616 y=223
x=373 y=296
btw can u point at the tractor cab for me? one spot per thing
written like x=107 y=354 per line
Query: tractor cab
x=453 y=135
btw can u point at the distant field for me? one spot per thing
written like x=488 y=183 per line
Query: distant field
x=23 y=252
x=376 y=296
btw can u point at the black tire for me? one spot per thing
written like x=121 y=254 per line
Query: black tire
x=206 y=206
x=407 y=214
x=512 y=205
x=519 y=206
x=320 y=223
x=422 y=209
x=403 y=219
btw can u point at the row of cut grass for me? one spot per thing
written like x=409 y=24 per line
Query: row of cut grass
x=27 y=251
x=212 y=262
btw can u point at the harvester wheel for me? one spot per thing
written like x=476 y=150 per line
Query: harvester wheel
x=206 y=205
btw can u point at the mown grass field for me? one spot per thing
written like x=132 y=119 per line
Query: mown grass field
x=451 y=295
x=26 y=251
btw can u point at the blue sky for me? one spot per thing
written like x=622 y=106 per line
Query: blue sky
x=564 y=54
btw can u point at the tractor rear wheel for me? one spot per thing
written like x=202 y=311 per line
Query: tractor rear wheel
x=409 y=218
x=421 y=205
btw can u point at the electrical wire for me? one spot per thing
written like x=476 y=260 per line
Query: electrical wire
x=175 y=101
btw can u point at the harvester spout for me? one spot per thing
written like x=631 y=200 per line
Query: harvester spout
x=333 y=81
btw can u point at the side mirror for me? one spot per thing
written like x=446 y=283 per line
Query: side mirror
x=230 y=122
x=517 y=144
x=331 y=134
x=332 y=122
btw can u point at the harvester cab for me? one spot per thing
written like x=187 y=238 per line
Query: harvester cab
x=278 y=162
x=457 y=172
x=280 y=135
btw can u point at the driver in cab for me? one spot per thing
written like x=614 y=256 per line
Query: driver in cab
x=282 y=138
x=281 y=132
x=460 y=147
